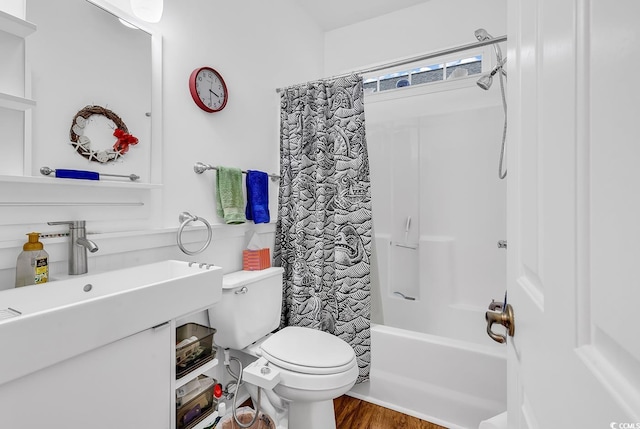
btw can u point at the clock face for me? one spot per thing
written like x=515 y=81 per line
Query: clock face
x=208 y=89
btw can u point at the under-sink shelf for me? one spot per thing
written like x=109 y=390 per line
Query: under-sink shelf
x=208 y=421
x=196 y=372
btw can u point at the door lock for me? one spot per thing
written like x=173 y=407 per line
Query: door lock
x=505 y=318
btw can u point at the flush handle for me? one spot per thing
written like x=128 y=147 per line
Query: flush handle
x=504 y=318
x=242 y=290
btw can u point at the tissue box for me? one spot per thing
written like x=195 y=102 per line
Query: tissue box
x=253 y=260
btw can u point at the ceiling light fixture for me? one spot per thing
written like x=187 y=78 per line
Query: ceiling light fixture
x=148 y=10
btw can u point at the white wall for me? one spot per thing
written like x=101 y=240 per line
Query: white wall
x=256 y=52
x=424 y=28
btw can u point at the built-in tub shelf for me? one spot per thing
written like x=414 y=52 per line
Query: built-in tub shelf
x=196 y=372
x=16 y=26
x=12 y=102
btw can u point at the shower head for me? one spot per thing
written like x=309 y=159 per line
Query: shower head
x=485 y=81
x=482 y=35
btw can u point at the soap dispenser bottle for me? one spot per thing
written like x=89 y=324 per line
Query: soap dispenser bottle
x=33 y=262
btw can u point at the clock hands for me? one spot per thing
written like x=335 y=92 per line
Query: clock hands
x=211 y=91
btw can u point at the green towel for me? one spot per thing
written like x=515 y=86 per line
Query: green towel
x=229 y=198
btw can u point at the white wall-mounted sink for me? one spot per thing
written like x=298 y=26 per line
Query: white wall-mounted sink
x=45 y=324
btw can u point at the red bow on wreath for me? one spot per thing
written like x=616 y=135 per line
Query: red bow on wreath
x=124 y=140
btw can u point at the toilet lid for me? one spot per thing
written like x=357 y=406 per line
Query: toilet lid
x=308 y=351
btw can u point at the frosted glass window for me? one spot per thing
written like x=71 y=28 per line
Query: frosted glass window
x=425 y=75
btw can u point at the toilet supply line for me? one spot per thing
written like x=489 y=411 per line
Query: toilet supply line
x=234 y=408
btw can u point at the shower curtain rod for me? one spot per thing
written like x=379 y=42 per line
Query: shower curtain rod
x=430 y=55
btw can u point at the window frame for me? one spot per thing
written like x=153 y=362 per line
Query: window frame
x=487 y=63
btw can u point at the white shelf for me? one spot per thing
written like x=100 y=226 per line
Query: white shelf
x=208 y=421
x=16 y=26
x=9 y=101
x=196 y=372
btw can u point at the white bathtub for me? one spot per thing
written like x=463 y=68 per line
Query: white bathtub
x=452 y=383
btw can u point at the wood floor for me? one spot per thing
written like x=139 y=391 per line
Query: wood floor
x=352 y=413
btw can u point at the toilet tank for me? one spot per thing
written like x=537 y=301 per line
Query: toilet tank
x=249 y=309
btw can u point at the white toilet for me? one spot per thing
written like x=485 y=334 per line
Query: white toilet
x=301 y=367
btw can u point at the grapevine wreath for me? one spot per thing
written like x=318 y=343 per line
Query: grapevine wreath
x=82 y=143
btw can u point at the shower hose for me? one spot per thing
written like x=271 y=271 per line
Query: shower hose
x=502 y=172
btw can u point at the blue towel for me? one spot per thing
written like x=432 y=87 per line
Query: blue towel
x=257 y=196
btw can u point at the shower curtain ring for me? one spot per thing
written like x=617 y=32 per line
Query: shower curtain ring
x=185 y=218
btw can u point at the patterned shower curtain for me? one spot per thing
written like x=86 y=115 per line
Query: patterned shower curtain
x=323 y=236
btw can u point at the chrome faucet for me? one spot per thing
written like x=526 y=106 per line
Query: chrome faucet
x=78 y=246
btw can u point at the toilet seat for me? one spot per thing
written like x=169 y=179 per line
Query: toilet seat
x=308 y=351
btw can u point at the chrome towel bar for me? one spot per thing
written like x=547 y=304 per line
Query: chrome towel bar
x=200 y=168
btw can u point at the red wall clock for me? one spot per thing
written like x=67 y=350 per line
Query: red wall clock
x=208 y=89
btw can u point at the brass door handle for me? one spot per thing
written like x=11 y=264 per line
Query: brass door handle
x=505 y=318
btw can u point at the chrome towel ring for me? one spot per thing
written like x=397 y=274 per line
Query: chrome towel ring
x=185 y=218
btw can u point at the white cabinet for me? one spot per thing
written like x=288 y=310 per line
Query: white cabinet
x=125 y=384
x=99 y=357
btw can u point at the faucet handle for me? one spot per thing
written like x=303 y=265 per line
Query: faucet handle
x=71 y=223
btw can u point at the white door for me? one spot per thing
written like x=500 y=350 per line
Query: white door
x=574 y=214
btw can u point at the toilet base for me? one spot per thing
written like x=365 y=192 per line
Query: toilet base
x=271 y=405
x=312 y=415
x=295 y=414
